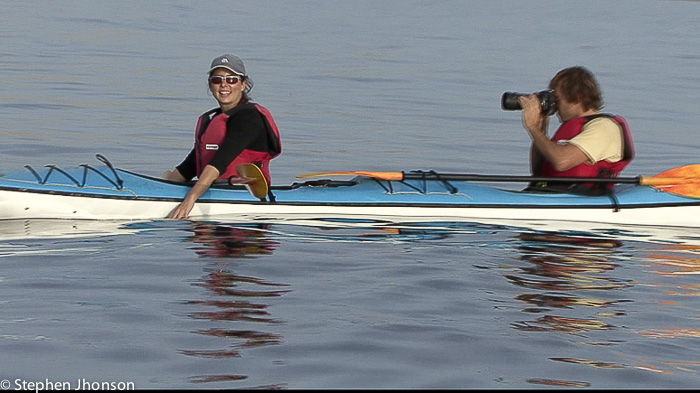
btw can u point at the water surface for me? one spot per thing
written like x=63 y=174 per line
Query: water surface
x=362 y=85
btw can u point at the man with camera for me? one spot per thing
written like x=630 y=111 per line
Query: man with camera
x=587 y=144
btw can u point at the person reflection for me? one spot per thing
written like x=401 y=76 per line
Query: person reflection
x=220 y=241
x=232 y=308
x=561 y=269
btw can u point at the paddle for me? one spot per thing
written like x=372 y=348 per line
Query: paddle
x=253 y=179
x=683 y=181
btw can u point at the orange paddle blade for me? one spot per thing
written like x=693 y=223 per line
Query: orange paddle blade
x=683 y=181
x=376 y=175
x=253 y=179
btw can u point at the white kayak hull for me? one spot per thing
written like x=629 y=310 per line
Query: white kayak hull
x=28 y=205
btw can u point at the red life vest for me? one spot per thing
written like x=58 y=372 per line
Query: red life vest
x=210 y=134
x=603 y=168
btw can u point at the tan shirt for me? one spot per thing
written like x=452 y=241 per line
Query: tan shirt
x=600 y=139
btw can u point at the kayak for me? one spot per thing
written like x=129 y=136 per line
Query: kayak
x=103 y=192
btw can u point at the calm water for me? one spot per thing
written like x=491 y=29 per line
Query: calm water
x=372 y=85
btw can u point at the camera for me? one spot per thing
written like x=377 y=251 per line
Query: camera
x=548 y=101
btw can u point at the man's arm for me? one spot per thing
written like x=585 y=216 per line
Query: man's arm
x=562 y=156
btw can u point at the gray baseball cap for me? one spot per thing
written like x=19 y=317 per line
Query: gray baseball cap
x=233 y=64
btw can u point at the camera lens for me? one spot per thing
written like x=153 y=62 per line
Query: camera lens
x=509 y=101
x=548 y=101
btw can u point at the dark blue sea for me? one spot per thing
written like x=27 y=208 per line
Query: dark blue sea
x=353 y=85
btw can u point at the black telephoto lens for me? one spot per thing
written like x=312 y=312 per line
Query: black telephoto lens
x=548 y=101
x=509 y=101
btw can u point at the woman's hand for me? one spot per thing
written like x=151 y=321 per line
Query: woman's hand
x=182 y=211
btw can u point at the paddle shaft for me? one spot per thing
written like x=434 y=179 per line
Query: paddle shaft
x=398 y=176
x=683 y=181
x=506 y=178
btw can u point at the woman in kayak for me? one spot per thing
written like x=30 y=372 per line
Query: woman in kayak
x=587 y=144
x=237 y=132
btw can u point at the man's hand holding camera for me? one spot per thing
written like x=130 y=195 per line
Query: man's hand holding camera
x=533 y=119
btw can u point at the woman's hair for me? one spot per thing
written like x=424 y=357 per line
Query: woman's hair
x=245 y=98
x=578 y=85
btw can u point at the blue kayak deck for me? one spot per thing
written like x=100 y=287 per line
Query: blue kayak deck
x=109 y=182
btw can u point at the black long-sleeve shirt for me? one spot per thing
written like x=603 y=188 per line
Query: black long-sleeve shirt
x=245 y=129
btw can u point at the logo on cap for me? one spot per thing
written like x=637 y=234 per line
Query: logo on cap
x=224 y=60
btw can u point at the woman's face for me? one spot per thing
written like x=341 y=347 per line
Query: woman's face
x=226 y=87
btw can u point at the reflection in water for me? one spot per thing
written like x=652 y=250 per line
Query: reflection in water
x=219 y=241
x=217 y=378
x=567 y=285
x=589 y=363
x=563 y=325
x=561 y=269
x=564 y=263
x=675 y=264
x=674 y=260
x=555 y=382
x=237 y=299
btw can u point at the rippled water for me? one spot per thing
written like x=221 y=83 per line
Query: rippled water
x=375 y=85
x=224 y=305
